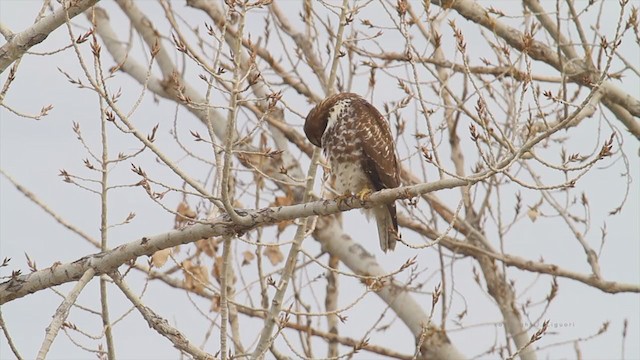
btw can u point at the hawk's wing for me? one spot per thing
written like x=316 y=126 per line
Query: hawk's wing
x=380 y=161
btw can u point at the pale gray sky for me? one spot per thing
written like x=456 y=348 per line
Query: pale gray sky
x=34 y=152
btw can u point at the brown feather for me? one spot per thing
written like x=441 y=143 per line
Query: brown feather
x=358 y=143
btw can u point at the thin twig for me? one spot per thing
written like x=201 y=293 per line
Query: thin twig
x=9 y=338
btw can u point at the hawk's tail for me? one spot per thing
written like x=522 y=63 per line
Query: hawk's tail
x=387 y=226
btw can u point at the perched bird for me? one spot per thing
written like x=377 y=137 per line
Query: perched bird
x=358 y=143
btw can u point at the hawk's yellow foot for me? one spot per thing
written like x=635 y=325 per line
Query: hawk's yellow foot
x=342 y=198
x=364 y=194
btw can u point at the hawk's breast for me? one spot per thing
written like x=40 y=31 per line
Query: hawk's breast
x=349 y=177
x=344 y=149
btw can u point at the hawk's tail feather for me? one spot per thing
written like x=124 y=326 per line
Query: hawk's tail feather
x=387 y=226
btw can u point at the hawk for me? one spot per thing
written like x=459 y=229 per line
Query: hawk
x=357 y=141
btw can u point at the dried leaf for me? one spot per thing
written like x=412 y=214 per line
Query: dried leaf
x=176 y=249
x=274 y=254
x=282 y=225
x=533 y=214
x=283 y=200
x=195 y=276
x=217 y=271
x=183 y=215
x=247 y=257
x=208 y=246
x=217 y=268
x=159 y=258
x=215 y=303
x=374 y=284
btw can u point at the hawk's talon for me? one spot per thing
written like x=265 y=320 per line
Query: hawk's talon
x=341 y=199
x=364 y=194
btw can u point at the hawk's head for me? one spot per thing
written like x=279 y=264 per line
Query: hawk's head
x=318 y=118
x=315 y=124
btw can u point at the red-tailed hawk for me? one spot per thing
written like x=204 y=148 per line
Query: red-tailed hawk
x=358 y=143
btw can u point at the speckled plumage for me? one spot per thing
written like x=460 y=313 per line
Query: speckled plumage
x=357 y=141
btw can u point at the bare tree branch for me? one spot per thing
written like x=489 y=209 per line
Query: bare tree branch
x=160 y=324
x=575 y=70
x=63 y=311
x=23 y=41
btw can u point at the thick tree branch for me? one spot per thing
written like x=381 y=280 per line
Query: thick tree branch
x=108 y=261
x=21 y=42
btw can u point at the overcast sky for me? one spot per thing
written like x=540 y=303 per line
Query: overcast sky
x=33 y=152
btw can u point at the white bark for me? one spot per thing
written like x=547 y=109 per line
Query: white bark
x=21 y=42
x=108 y=261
